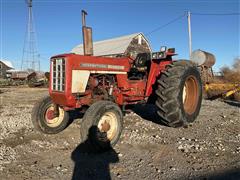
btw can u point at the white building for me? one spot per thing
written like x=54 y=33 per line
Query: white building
x=4 y=66
x=118 y=47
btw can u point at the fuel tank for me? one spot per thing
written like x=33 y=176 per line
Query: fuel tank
x=203 y=58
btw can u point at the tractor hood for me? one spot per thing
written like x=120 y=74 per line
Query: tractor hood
x=69 y=74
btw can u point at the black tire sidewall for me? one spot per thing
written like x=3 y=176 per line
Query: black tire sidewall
x=91 y=118
x=169 y=93
x=115 y=110
x=40 y=121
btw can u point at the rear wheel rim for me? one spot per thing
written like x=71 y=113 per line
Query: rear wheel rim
x=109 y=125
x=190 y=95
x=55 y=121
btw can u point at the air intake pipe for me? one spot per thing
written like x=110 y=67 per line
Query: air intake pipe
x=87 y=36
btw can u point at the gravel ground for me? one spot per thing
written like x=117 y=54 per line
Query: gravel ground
x=207 y=149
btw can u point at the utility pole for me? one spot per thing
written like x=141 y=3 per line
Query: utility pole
x=189 y=33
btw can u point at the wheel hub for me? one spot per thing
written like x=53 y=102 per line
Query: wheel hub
x=51 y=119
x=184 y=93
x=108 y=124
x=190 y=95
x=105 y=126
x=50 y=114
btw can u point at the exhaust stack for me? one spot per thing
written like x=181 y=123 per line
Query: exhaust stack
x=87 y=36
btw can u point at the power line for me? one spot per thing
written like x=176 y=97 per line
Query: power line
x=163 y=26
x=176 y=19
x=154 y=30
x=216 y=14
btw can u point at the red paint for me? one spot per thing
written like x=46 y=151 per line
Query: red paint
x=156 y=68
x=125 y=91
x=49 y=114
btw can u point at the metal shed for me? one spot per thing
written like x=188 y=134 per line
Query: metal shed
x=4 y=66
x=128 y=45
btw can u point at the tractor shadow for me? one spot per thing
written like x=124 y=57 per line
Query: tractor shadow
x=147 y=112
x=75 y=115
x=91 y=165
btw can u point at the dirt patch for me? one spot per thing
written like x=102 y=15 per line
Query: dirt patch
x=208 y=148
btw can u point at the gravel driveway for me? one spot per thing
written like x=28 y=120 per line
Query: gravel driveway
x=208 y=148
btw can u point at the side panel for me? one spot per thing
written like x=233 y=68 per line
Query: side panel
x=79 y=80
x=92 y=63
x=129 y=91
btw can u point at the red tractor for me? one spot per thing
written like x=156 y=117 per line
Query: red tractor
x=104 y=86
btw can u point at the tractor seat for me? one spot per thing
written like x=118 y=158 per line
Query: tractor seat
x=140 y=66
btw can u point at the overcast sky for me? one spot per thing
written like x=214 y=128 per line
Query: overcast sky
x=58 y=26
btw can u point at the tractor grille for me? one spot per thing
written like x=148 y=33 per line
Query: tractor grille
x=58 y=74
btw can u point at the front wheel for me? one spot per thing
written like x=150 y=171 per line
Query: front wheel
x=179 y=93
x=45 y=121
x=101 y=126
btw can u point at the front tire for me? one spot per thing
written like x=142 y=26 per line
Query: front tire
x=101 y=126
x=179 y=94
x=43 y=119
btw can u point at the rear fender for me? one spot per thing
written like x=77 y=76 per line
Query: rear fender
x=155 y=70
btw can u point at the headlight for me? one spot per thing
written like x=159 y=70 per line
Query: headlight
x=161 y=54
x=154 y=55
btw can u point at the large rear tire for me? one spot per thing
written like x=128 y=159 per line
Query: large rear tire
x=43 y=119
x=101 y=126
x=179 y=94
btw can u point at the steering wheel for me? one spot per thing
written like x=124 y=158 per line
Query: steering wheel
x=141 y=60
